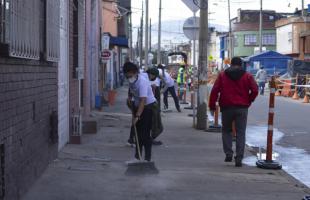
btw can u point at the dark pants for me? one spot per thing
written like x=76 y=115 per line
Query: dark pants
x=181 y=89
x=239 y=115
x=144 y=126
x=261 y=86
x=171 y=90
x=157 y=96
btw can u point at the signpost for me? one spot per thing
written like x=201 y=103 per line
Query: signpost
x=106 y=55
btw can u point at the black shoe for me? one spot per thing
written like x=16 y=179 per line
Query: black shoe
x=179 y=109
x=228 y=159
x=130 y=142
x=238 y=163
x=155 y=142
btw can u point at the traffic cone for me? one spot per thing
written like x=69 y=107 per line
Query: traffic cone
x=295 y=96
x=306 y=99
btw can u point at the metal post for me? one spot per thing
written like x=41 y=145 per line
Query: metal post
x=150 y=39
x=141 y=36
x=130 y=37
x=203 y=67
x=261 y=26
x=302 y=8
x=159 y=35
x=269 y=163
x=230 y=51
x=146 y=50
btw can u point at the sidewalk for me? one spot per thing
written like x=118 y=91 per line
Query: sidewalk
x=191 y=165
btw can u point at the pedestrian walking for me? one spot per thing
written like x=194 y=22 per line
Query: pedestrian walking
x=168 y=86
x=143 y=99
x=261 y=77
x=235 y=89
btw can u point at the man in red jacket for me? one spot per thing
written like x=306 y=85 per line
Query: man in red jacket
x=235 y=89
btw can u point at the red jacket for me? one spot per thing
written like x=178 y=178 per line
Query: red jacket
x=233 y=88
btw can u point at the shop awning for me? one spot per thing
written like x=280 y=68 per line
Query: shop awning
x=119 y=41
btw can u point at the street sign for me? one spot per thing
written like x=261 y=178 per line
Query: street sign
x=191 y=28
x=191 y=5
x=106 y=54
x=105 y=41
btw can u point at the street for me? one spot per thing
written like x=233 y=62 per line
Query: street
x=190 y=165
x=291 y=118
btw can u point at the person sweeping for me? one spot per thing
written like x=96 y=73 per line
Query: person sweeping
x=141 y=92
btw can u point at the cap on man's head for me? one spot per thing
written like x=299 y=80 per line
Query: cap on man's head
x=236 y=61
x=130 y=67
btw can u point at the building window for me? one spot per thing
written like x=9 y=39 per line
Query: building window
x=28 y=28
x=250 y=39
x=269 y=39
x=235 y=41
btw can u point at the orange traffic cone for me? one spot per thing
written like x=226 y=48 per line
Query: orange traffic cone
x=295 y=96
x=306 y=99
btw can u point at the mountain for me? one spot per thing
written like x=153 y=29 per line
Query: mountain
x=172 y=31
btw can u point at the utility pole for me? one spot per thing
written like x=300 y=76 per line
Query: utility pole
x=150 y=40
x=203 y=67
x=141 y=37
x=230 y=51
x=138 y=44
x=146 y=50
x=261 y=26
x=159 y=35
x=302 y=8
x=130 y=37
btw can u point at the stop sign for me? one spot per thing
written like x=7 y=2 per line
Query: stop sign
x=106 y=54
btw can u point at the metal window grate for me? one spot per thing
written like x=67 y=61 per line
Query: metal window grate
x=24 y=29
x=77 y=124
x=52 y=30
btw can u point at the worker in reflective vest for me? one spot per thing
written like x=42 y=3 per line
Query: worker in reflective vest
x=181 y=80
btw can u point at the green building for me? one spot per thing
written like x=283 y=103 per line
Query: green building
x=245 y=31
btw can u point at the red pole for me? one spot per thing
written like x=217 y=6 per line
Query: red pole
x=270 y=119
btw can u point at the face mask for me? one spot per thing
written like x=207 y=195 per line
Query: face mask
x=132 y=79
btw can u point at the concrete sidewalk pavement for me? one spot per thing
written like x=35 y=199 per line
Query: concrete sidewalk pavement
x=190 y=163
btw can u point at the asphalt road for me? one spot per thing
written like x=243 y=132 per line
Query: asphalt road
x=291 y=117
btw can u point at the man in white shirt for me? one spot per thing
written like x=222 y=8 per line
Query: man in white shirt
x=140 y=90
x=168 y=83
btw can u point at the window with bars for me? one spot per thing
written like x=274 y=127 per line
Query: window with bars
x=30 y=29
x=250 y=39
x=269 y=39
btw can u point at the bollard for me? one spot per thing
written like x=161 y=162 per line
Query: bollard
x=215 y=127
x=192 y=100
x=295 y=96
x=269 y=163
x=183 y=97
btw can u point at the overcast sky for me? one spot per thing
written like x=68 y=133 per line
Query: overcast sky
x=175 y=9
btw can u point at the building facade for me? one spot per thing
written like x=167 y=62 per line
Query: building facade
x=289 y=36
x=245 y=32
x=29 y=92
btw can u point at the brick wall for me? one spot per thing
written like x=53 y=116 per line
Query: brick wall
x=28 y=95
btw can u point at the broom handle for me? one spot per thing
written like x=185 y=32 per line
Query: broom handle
x=137 y=142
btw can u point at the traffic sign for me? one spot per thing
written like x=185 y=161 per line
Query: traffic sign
x=191 y=28
x=106 y=54
x=191 y=5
